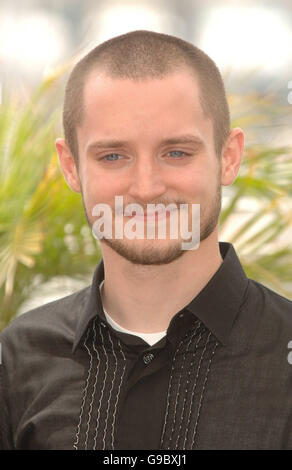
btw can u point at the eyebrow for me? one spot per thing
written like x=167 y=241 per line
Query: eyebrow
x=182 y=139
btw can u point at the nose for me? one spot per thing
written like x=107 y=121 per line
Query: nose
x=146 y=182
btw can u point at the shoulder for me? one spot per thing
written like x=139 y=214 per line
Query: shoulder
x=54 y=319
x=271 y=300
x=271 y=308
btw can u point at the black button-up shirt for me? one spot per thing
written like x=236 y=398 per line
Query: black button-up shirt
x=220 y=379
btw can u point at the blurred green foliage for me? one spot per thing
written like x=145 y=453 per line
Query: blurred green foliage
x=43 y=229
x=262 y=234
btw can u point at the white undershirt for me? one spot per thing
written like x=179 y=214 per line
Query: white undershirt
x=150 y=338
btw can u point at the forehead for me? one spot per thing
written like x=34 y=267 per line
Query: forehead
x=173 y=88
x=151 y=107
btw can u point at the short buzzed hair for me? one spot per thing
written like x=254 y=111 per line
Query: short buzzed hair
x=140 y=55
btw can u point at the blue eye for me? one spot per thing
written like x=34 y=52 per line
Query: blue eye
x=177 y=151
x=114 y=157
x=111 y=157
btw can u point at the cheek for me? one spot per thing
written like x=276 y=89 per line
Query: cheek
x=195 y=184
x=100 y=187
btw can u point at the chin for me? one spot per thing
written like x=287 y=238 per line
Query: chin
x=148 y=254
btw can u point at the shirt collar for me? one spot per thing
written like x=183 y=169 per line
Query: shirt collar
x=217 y=305
x=219 y=302
x=93 y=305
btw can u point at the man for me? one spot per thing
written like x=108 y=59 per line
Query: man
x=169 y=348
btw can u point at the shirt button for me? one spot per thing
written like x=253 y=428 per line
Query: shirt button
x=148 y=358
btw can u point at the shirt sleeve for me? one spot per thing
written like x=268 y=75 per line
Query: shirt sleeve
x=6 y=441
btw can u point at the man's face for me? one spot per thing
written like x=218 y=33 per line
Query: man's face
x=140 y=117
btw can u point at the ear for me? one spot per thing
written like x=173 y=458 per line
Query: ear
x=231 y=156
x=68 y=165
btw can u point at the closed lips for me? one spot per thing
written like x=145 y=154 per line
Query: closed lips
x=152 y=214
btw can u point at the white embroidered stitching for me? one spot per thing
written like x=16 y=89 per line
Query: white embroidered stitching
x=104 y=382
x=201 y=398
x=84 y=394
x=95 y=382
x=194 y=388
x=180 y=377
x=169 y=388
x=186 y=390
x=110 y=394
x=115 y=408
x=168 y=393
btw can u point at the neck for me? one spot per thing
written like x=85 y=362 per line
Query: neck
x=145 y=298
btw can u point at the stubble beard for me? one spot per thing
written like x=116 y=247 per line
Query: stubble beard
x=156 y=252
